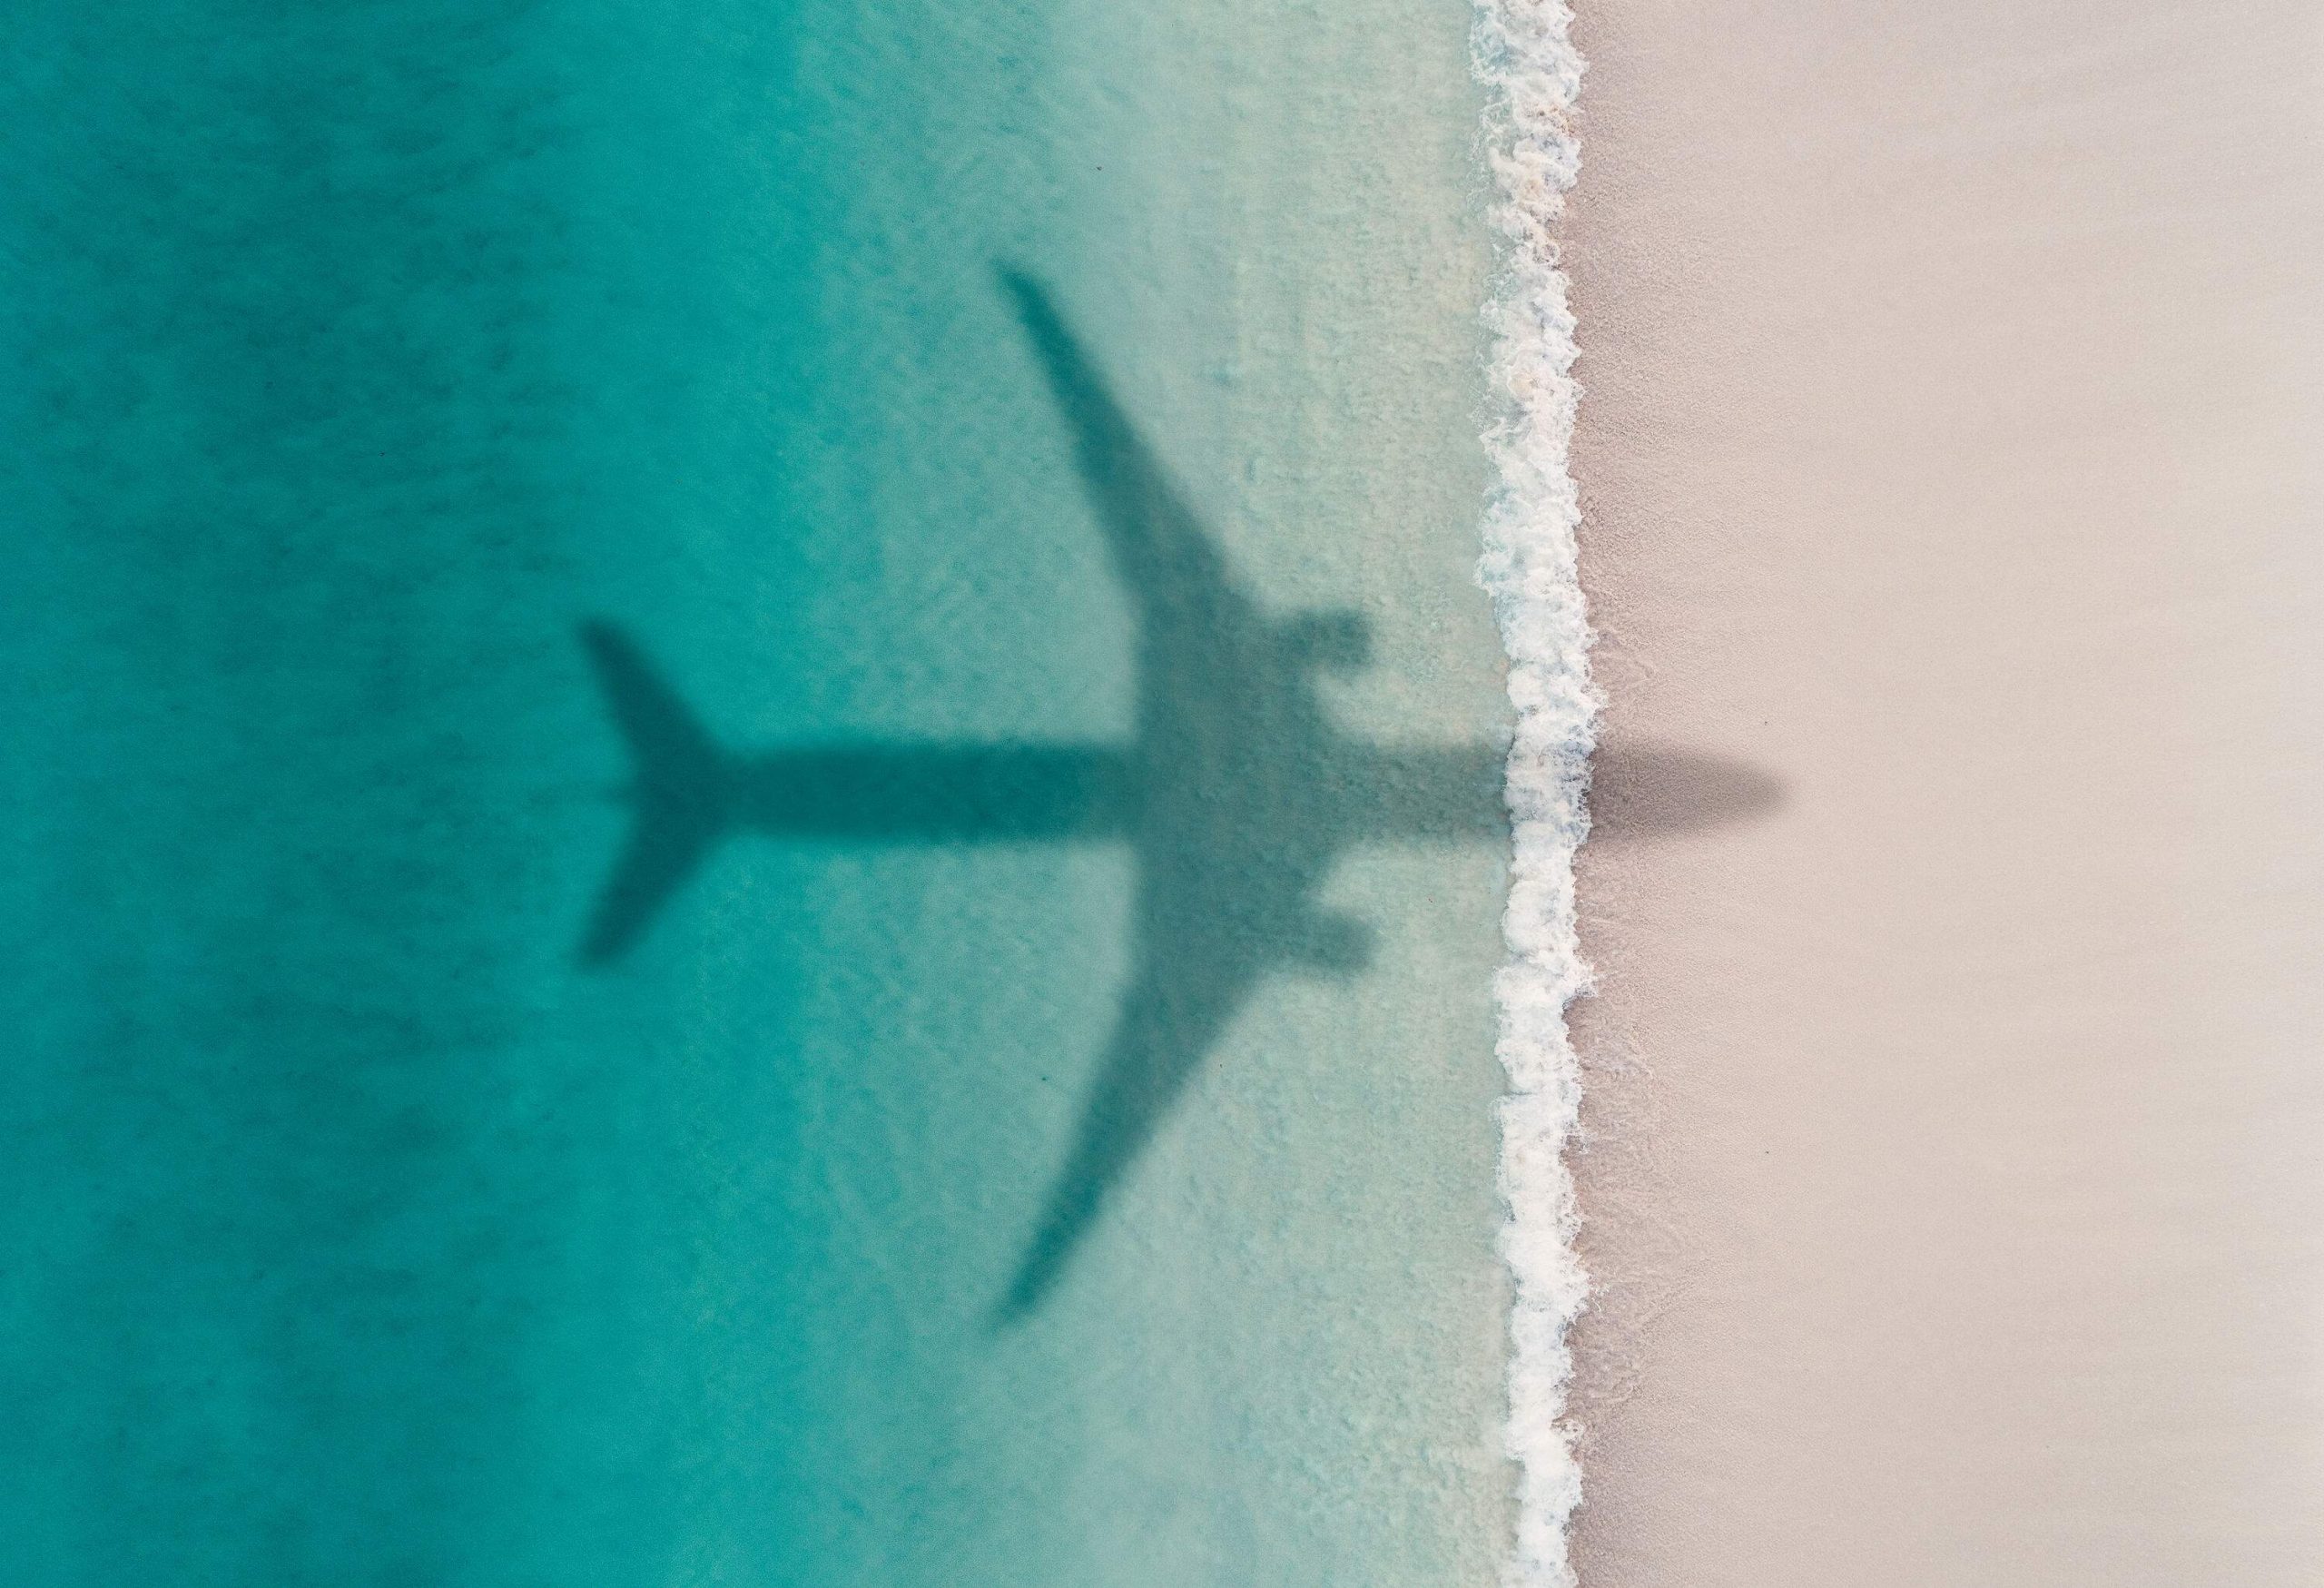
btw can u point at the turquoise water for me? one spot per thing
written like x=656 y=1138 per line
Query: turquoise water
x=366 y=1227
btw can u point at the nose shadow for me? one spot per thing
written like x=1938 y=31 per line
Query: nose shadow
x=1654 y=791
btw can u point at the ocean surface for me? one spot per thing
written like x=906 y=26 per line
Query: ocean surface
x=752 y=790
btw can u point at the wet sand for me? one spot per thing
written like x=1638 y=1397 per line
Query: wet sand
x=1955 y=531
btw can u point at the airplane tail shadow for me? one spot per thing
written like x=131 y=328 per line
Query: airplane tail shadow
x=682 y=792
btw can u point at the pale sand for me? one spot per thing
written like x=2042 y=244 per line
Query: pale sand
x=1953 y=401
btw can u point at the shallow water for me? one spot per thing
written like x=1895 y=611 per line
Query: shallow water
x=374 y=1222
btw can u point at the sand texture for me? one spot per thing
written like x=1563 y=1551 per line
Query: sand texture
x=1954 y=1166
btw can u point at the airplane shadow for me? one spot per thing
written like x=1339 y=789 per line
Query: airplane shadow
x=1653 y=790
x=1236 y=791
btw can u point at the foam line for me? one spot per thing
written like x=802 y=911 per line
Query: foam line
x=1530 y=73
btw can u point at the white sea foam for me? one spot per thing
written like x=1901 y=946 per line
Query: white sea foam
x=1530 y=73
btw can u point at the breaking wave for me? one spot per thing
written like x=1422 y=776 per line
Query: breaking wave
x=1530 y=74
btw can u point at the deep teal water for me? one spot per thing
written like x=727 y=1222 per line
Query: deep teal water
x=356 y=356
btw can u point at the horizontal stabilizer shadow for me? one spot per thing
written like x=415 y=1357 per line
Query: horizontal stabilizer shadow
x=680 y=788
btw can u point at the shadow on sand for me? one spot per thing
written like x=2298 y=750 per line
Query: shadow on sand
x=1237 y=795
x=1651 y=791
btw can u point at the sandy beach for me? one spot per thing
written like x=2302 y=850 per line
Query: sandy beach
x=1953 y=381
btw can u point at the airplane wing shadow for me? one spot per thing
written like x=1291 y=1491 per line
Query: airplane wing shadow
x=1168 y=1021
x=1233 y=838
x=1171 y=570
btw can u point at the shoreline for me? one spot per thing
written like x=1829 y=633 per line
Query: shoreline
x=1526 y=64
